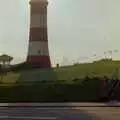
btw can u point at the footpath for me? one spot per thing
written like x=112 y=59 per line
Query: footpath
x=109 y=104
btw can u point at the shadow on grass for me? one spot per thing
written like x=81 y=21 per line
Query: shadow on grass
x=30 y=74
x=37 y=75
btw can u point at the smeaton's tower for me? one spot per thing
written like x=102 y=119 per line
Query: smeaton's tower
x=38 y=52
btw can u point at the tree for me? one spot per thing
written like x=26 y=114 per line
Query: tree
x=5 y=60
x=116 y=51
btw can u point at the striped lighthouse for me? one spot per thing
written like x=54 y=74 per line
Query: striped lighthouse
x=38 y=52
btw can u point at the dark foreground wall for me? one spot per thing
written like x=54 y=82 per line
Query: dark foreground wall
x=50 y=93
x=86 y=91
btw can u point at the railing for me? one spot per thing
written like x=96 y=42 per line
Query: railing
x=112 y=89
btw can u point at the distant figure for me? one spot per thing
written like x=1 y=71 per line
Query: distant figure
x=104 y=88
x=57 y=66
x=115 y=74
x=0 y=68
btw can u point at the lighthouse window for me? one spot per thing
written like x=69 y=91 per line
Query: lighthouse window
x=39 y=52
x=45 y=37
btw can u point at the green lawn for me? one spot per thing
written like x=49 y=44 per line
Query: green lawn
x=64 y=73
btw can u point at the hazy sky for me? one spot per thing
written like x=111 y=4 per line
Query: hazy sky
x=77 y=28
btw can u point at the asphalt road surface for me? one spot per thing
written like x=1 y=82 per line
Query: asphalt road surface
x=38 y=113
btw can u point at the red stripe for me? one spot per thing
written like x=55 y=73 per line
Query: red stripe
x=38 y=9
x=38 y=34
x=39 y=61
x=39 y=3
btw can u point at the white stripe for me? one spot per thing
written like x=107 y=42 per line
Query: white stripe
x=38 y=20
x=36 y=118
x=38 y=48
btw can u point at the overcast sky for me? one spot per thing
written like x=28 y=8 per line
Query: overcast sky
x=77 y=28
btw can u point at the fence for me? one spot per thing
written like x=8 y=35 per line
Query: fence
x=110 y=89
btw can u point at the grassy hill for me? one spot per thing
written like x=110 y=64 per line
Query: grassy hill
x=68 y=73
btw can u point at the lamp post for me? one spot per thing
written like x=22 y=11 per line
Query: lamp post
x=116 y=51
x=105 y=55
x=111 y=54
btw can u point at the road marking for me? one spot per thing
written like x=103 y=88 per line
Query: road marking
x=35 y=118
x=33 y=109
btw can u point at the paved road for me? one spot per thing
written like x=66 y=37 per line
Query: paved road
x=42 y=114
x=38 y=113
x=104 y=113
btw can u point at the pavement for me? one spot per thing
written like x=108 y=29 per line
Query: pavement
x=26 y=111
x=66 y=104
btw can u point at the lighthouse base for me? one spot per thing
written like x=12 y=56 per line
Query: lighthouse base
x=39 y=61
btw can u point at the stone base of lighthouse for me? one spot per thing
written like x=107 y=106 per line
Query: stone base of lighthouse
x=39 y=61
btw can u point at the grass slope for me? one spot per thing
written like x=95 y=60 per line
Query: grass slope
x=69 y=73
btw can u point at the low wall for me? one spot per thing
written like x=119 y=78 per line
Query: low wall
x=86 y=91
x=51 y=93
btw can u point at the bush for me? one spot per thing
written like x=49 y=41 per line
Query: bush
x=50 y=93
x=22 y=66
